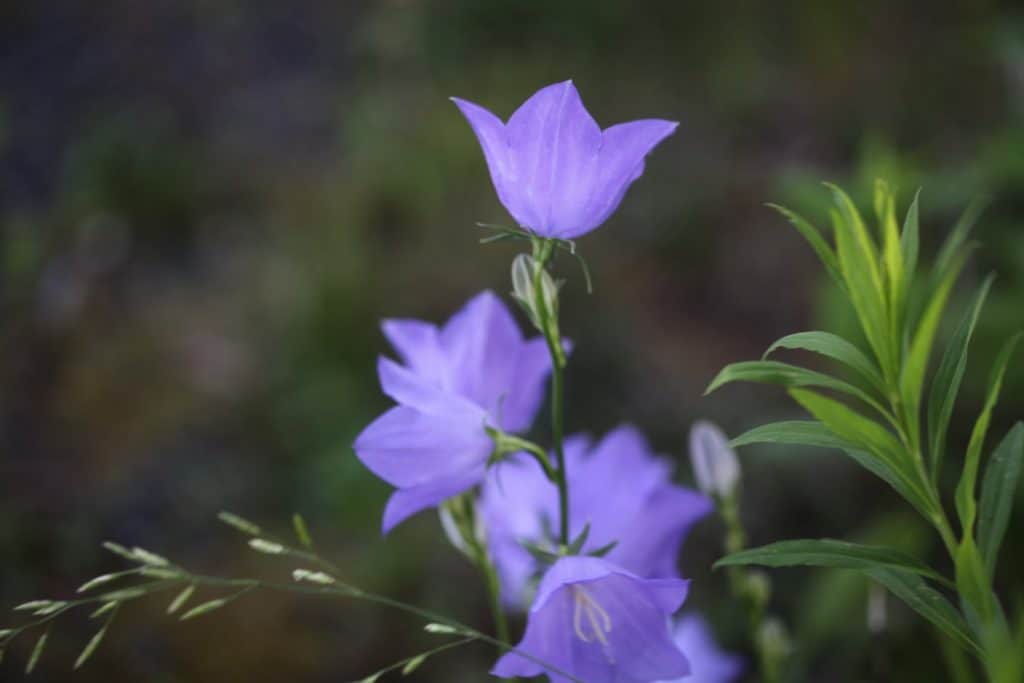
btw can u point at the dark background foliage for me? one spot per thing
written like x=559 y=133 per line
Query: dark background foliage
x=205 y=207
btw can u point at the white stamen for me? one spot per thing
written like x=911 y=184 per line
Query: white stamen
x=597 y=617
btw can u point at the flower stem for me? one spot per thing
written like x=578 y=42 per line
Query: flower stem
x=548 y=322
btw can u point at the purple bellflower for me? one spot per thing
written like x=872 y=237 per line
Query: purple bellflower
x=708 y=662
x=475 y=372
x=554 y=169
x=600 y=624
x=619 y=487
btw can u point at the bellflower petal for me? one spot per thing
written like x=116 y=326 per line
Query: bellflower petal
x=601 y=624
x=406 y=447
x=406 y=502
x=490 y=131
x=709 y=663
x=647 y=520
x=553 y=168
x=454 y=384
x=419 y=346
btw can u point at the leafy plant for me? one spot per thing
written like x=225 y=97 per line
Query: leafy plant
x=877 y=412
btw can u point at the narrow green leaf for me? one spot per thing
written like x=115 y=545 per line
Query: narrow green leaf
x=302 y=531
x=104 y=609
x=577 y=544
x=236 y=522
x=811 y=433
x=830 y=553
x=204 y=608
x=37 y=652
x=786 y=375
x=817 y=242
x=910 y=241
x=858 y=260
x=796 y=432
x=956 y=238
x=834 y=347
x=180 y=600
x=413 y=664
x=972 y=582
x=851 y=426
x=91 y=647
x=997 y=492
x=926 y=601
x=966 y=505
x=892 y=252
x=916 y=363
x=948 y=377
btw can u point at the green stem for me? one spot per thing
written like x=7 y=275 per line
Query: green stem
x=494 y=593
x=548 y=322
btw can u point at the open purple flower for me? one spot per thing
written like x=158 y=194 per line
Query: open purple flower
x=709 y=663
x=476 y=371
x=620 y=488
x=553 y=168
x=601 y=624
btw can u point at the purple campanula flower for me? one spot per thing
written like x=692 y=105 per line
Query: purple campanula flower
x=709 y=663
x=554 y=169
x=619 y=487
x=600 y=624
x=476 y=371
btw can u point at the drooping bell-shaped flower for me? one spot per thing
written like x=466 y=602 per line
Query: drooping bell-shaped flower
x=622 y=490
x=715 y=465
x=554 y=169
x=708 y=662
x=475 y=372
x=601 y=624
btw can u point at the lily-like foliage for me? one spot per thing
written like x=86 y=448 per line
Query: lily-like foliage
x=876 y=411
x=622 y=495
x=459 y=385
x=554 y=169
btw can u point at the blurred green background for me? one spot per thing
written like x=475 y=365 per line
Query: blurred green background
x=205 y=208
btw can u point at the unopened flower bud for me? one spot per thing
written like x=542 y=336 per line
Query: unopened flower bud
x=715 y=464
x=522 y=278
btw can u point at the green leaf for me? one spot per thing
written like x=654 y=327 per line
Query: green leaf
x=834 y=347
x=413 y=664
x=37 y=652
x=577 y=544
x=811 y=433
x=829 y=553
x=90 y=648
x=784 y=374
x=956 y=238
x=966 y=506
x=948 y=377
x=972 y=582
x=916 y=363
x=180 y=600
x=926 y=601
x=851 y=426
x=797 y=432
x=892 y=252
x=817 y=242
x=910 y=241
x=302 y=531
x=858 y=261
x=997 y=492
x=204 y=608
